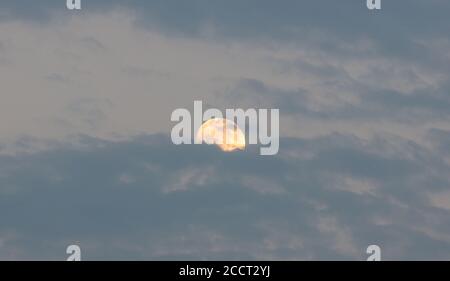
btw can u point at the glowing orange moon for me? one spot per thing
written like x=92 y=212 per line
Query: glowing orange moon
x=223 y=133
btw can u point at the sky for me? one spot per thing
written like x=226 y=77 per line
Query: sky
x=86 y=156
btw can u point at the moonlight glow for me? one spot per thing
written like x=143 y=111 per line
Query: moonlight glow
x=222 y=132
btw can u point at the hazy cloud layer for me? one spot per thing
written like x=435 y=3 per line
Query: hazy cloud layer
x=85 y=108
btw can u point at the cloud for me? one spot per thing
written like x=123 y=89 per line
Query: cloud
x=84 y=120
x=215 y=205
x=191 y=177
x=441 y=200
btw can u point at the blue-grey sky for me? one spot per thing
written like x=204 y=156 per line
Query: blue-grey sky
x=85 y=150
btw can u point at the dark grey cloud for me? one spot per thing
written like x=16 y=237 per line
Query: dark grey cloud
x=37 y=11
x=441 y=139
x=275 y=19
x=146 y=199
x=407 y=34
x=421 y=105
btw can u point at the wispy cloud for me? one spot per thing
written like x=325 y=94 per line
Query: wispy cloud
x=85 y=113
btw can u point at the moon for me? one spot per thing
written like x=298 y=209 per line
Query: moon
x=223 y=133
